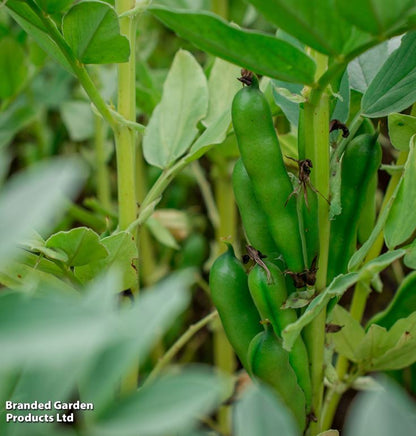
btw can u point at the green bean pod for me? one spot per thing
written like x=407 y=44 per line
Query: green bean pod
x=270 y=363
x=360 y=162
x=254 y=219
x=268 y=298
x=231 y=297
x=262 y=157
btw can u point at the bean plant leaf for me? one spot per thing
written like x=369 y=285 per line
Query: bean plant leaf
x=289 y=107
x=222 y=86
x=336 y=289
x=363 y=69
x=37 y=244
x=317 y=24
x=392 y=89
x=375 y=16
x=263 y=54
x=44 y=331
x=171 y=404
x=78 y=119
x=214 y=134
x=34 y=198
x=410 y=257
x=161 y=233
x=173 y=125
x=384 y=412
x=401 y=129
x=81 y=245
x=122 y=254
x=401 y=222
x=54 y=6
x=92 y=30
x=350 y=335
x=141 y=325
x=260 y=412
x=13 y=70
x=33 y=26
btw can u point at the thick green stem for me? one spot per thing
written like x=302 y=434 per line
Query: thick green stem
x=359 y=302
x=316 y=142
x=220 y=7
x=102 y=173
x=126 y=106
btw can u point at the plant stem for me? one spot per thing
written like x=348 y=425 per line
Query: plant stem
x=77 y=67
x=126 y=106
x=102 y=173
x=220 y=7
x=173 y=350
x=317 y=148
x=359 y=301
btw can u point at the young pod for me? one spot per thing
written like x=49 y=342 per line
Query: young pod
x=231 y=297
x=268 y=296
x=270 y=363
x=360 y=162
x=254 y=219
x=262 y=157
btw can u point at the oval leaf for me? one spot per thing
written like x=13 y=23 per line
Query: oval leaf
x=53 y=6
x=173 y=125
x=316 y=23
x=392 y=89
x=401 y=129
x=258 y=52
x=260 y=412
x=401 y=222
x=82 y=245
x=375 y=16
x=92 y=31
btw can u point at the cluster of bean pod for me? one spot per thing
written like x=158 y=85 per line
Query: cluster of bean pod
x=284 y=232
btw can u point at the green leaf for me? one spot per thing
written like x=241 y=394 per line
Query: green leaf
x=260 y=412
x=173 y=125
x=122 y=253
x=347 y=339
x=36 y=243
x=392 y=89
x=44 y=331
x=13 y=69
x=386 y=412
x=92 y=30
x=78 y=119
x=222 y=86
x=161 y=233
x=34 y=198
x=336 y=289
x=401 y=222
x=34 y=27
x=258 y=52
x=375 y=16
x=14 y=119
x=329 y=433
x=81 y=245
x=363 y=69
x=142 y=325
x=317 y=24
x=20 y=276
x=401 y=129
x=171 y=404
x=410 y=257
x=374 y=344
x=215 y=133
x=53 y=6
